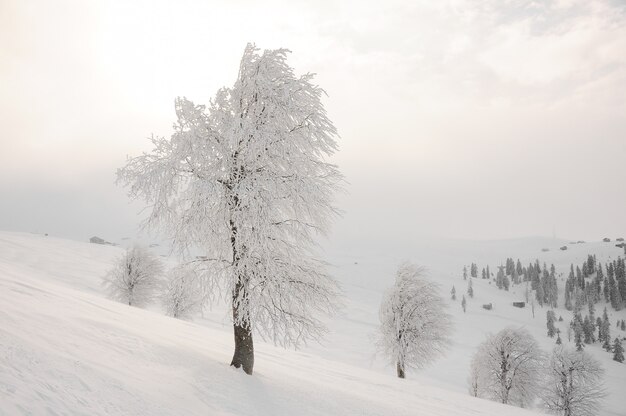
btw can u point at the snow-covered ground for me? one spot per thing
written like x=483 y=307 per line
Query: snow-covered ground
x=66 y=349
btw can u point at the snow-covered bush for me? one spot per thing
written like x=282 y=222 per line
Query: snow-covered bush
x=135 y=278
x=414 y=326
x=507 y=368
x=573 y=383
x=183 y=295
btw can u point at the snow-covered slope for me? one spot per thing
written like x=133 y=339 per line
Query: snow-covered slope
x=365 y=277
x=65 y=349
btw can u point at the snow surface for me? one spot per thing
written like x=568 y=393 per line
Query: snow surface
x=66 y=349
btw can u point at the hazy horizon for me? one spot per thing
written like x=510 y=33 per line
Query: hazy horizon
x=458 y=119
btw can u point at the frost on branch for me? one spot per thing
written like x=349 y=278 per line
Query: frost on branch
x=246 y=181
x=414 y=326
x=507 y=368
x=573 y=383
x=135 y=278
x=183 y=295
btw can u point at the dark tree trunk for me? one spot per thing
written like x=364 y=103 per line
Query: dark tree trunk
x=244 y=347
x=400 y=369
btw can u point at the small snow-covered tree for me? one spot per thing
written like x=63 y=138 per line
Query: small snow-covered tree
x=136 y=277
x=415 y=326
x=476 y=381
x=573 y=383
x=618 y=351
x=550 y=318
x=577 y=325
x=588 y=330
x=470 y=289
x=605 y=331
x=509 y=367
x=247 y=182
x=463 y=304
x=453 y=292
x=183 y=295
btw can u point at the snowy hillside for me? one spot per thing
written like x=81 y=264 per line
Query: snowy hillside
x=65 y=349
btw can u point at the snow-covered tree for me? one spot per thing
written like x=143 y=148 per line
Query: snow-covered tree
x=500 y=277
x=476 y=382
x=470 y=289
x=509 y=366
x=605 y=331
x=550 y=318
x=246 y=181
x=415 y=326
x=573 y=383
x=453 y=293
x=577 y=325
x=136 y=277
x=618 y=351
x=183 y=294
x=463 y=304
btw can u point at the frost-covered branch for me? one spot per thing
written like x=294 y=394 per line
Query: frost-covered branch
x=246 y=180
x=414 y=326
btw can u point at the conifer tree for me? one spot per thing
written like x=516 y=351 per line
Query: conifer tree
x=508 y=266
x=568 y=297
x=464 y=272
x=591 y=264
x=515 y=277
x=463 y=303
x=474 y=270
x=588 y=331
x=550 y=323
x=623 y=326
x=618 y=351
x=606 y=331
x=578 y=332
x=592 y=319
x=453 y=293
x=500 y=277
x=540 y=294
x=558 y=338
x=470 y=289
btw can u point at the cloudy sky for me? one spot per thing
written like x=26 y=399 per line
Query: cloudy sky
x=465 y=119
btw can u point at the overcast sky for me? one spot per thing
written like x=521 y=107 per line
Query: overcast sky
x=463 y=119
